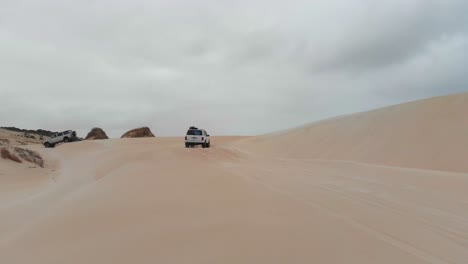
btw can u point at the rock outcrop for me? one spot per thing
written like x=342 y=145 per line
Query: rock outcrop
x=138 y=133
x=96 y=133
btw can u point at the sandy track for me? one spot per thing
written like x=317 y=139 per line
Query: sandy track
x=386 y=186
x=152 y=200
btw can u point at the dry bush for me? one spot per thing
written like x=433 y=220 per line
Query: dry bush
x=4 y=141
x=30 y=156
x=7 y=155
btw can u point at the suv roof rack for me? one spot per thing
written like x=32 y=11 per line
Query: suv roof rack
x=192 y=127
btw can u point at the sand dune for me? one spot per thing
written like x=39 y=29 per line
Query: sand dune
x=427 y=134
x=310 y=195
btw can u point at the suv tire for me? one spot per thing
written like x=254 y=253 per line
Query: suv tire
x=66 y=140
x=47 y=145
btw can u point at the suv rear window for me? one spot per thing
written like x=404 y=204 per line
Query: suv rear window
x=193 y=132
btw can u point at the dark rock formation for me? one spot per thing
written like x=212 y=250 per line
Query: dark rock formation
x=96 y=133
x=138 y=133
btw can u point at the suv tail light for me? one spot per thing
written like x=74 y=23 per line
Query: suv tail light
x=202 y=138
x=185 y=137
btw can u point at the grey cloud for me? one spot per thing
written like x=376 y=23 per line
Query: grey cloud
x=237 y=67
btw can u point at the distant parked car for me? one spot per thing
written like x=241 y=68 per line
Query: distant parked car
x=65 y=137
x=196 y=137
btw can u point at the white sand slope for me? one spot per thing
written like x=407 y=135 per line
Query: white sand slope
x=254 y=200
x=429 y=134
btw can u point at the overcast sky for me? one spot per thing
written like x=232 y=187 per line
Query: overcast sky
x=232 y=67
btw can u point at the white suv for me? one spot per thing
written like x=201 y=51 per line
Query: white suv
x=197 y=136
x=65 y=136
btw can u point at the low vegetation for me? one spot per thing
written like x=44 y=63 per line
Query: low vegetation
x=4 y=142
x=40 y=132
x=30 y=156
x=6 y=154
